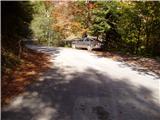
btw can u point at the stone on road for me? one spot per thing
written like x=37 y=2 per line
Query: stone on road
x=82 y=86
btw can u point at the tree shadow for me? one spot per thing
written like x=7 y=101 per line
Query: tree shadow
x=83 y=95
x=142 y=65
x=140 y=70
x=45 y=49
x=33 y=65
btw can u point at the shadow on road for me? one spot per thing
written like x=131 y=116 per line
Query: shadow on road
x=142 y=65
x=82 y=95
x=45 y=49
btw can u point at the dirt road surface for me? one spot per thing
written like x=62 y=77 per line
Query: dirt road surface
x=82 y=86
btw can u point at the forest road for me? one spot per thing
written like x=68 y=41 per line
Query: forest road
x=82 y=86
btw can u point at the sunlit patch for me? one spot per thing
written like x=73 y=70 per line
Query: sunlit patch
x=47 y=113
x=41 y=79
x=64 y=82
x=48 y=77
x=31 y=73
x=68 y=77
x=34 y=93
x=18 y=101
x=92 y=79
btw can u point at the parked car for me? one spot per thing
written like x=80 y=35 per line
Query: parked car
x=87 y=43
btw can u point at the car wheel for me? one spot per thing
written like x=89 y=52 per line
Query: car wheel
x=89 y=48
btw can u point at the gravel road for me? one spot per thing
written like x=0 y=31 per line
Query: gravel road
x=82 y=86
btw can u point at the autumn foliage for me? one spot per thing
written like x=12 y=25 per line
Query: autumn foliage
x=66 y=18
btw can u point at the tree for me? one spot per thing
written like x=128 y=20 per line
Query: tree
x=41 y=23
x=16 y=18
x=139 y=27
x=104 y=23
x=67 y=17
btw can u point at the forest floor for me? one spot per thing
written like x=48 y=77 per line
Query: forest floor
x=144 y=64
x=15 y=80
